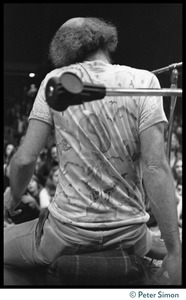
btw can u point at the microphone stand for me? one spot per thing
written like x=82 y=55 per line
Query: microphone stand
x=174 y=83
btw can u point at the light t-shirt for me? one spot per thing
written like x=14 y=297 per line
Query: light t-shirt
x=100 y=174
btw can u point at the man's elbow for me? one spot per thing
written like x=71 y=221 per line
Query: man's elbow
x=155 y=166
x=22 y=160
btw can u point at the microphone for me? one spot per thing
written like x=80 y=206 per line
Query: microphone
x=68 y=90
x=168 y=68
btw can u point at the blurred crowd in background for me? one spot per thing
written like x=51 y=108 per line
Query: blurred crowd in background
x=41 y=188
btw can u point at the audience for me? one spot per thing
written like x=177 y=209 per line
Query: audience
x=42 y=168
x=52 y=159
x=8 y=153
x=179 y=201
x=175 y=146
x=177 y=171
x=38 y=192
x=52 y=181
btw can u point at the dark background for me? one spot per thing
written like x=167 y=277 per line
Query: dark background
x=150 y=37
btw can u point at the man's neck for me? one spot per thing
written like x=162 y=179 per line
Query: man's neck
x=98 y=56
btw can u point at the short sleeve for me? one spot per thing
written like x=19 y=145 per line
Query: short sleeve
x=41 y=110
x=151 y=108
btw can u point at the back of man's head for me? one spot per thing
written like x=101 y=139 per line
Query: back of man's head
x=80 y=37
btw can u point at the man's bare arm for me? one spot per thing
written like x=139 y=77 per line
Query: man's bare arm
x=23 y=162
x=160 y=190
x=159 y=184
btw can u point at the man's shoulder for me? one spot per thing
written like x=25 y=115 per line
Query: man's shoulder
x=59 y=71
x=55 y=72
x=134 y=71
x=135 y=77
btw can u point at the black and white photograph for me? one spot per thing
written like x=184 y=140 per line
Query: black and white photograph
x=92 y=155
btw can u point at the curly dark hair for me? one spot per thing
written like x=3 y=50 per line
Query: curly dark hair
x=72 y=44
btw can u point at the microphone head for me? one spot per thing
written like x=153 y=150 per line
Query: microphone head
x=53 y=92
x=71 y=83
x=68 y=90
x=62 y=92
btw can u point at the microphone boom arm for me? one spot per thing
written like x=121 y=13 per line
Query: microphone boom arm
x=70 y=90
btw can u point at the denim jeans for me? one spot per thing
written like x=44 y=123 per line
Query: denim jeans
x=21 y=248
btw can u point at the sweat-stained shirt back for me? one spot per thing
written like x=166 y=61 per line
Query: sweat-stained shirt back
x=100 y=175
